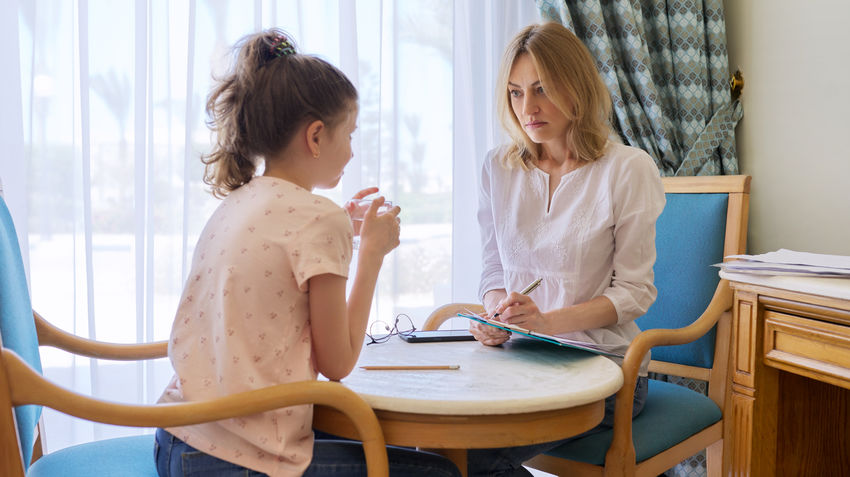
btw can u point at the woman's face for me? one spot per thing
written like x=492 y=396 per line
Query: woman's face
x=541 y=119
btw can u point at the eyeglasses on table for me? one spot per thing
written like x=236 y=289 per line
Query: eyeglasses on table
x=381 y=331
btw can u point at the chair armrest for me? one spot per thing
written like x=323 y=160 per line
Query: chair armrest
x=643 y=342
x=443 y=313
x=32 y=388
x=49 y=335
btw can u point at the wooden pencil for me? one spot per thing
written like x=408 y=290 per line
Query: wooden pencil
x=410 y=367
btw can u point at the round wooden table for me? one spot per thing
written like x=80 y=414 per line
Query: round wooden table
x=523 y=392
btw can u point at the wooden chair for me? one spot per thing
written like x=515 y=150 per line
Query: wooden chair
x=21 y=383
x=688 y=331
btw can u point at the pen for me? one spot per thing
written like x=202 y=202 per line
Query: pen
x=530 y=288
x=410 y=367
x=525 y=291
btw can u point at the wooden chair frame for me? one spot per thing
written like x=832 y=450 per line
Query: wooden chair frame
x=20 y=384
x=620 y=458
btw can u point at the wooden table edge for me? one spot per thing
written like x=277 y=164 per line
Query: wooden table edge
x=469 y=431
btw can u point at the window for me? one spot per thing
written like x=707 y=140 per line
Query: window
x=113 y=97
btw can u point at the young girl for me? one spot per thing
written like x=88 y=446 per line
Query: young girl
x=265 y=301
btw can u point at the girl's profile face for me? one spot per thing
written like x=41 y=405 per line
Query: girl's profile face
x=337 y=149
x=538 y=116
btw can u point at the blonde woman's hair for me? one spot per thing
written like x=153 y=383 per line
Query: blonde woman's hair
x=255 y=110
x=569 y=77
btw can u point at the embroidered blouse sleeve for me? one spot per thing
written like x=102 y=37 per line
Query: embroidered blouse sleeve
x=638 y=201
x=492 y=276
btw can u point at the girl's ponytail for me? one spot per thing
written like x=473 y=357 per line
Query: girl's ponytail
x=229 y=164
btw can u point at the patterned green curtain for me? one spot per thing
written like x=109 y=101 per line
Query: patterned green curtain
x=666 y=67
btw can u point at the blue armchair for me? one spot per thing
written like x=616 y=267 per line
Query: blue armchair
x=688 y=331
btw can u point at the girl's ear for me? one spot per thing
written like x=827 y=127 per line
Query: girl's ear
x=313 y=133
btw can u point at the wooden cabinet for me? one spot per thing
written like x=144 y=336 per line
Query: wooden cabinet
x=789 y=395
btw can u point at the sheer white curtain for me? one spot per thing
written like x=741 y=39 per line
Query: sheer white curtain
x=105 y=125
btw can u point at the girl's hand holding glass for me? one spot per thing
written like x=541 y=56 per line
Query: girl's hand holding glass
x=356 y=207
x=376 y=224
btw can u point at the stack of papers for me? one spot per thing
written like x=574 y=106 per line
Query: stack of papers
x=789 y=262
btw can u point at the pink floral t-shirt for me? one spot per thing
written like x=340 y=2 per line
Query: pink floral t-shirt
x=243 y=321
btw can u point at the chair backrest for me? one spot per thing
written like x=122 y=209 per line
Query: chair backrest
x=704 y=220
x=17 y=328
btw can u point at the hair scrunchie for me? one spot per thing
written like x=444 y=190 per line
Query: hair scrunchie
x=282 y=47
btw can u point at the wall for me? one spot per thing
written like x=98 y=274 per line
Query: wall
x=793 y=138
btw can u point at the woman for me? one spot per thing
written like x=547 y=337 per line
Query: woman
x=566 y=203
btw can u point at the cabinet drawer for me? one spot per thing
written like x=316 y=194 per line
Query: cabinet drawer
x=812 y=348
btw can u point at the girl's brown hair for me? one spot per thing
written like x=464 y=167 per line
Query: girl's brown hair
x=257 y=107
x=568 y=74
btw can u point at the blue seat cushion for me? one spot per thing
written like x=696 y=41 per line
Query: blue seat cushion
x=672 y=413
x=120 y=457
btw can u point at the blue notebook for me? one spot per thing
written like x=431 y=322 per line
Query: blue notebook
x=606 y=350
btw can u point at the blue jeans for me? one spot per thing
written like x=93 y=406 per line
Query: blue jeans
x=507 y=461
x=175 y=458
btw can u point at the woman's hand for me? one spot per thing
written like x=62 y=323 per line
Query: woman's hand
x=520 y=310
x=379 y=233
x=492 y=299
x=351 y=207
x=488 y=335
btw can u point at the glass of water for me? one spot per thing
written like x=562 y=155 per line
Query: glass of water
x=361 y=206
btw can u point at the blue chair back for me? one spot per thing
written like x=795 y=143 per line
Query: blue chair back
x=690 y=234
x=17 y=328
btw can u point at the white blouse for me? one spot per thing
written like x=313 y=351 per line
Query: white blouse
x=596 y=238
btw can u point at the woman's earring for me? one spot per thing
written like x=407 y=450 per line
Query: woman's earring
x=315 y=155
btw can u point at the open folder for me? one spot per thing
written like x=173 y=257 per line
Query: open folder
x=607 y=350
